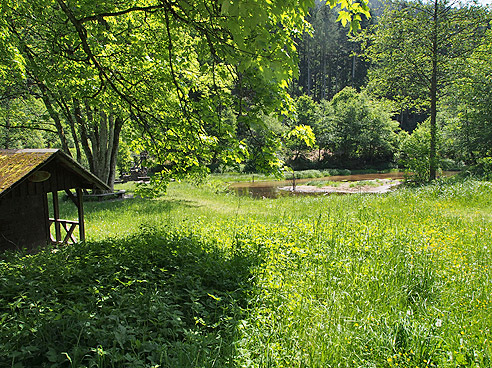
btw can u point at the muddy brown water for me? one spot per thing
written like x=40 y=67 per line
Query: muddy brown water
x=270 y=189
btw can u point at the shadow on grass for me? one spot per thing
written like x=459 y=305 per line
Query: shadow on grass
x=151 y=299
x=146 y=206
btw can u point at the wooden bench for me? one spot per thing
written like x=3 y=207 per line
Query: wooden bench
x=105 y=196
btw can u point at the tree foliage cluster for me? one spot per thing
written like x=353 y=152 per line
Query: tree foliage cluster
x=473 y=122
x=171 y=71
x=350 y=129
x=218 y=83
x=429 y=58
x=422 y=52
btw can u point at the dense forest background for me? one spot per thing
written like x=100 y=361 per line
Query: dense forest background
x=410 y=89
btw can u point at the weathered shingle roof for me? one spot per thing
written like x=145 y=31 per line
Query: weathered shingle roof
x=17 y=165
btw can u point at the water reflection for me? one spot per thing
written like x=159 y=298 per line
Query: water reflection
x=259 y=192
x=270 y=189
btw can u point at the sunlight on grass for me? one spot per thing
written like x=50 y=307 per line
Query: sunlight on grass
x=394 y=280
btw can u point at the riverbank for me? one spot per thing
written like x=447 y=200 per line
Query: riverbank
x=378 y=186
x=350 y=183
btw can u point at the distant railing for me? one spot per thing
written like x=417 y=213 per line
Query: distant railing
x=68 y=226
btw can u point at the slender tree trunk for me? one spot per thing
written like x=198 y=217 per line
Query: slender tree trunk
x=102 y=151
x=75 y=140
x=84 y=138
x=433 y=98
x=330 y=86
x=323 y=92
x=433 y=133
x=56 y=118
x=118 y=125
x=6 y=142
x=353 y=71
x=468 y=140
x=67 y=113
x=308 y=65
x=73 y=130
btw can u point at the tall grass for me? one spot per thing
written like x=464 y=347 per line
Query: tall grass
x=205 y=279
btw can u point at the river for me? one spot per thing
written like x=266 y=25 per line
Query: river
x=270 y=189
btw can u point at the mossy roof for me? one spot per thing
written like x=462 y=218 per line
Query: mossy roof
x=17 y=165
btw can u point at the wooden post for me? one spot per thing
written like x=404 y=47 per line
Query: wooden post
x=47 y=224
x=80 y=209
x=56 y=215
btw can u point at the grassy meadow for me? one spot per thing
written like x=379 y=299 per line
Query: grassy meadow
x=203 y=278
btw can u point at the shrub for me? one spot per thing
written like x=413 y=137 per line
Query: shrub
x=483 y=168
x=414 y=156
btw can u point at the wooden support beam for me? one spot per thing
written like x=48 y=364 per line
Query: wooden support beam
x=47 y=223
x=71 y=196
x=56 y=215
x=80 y=209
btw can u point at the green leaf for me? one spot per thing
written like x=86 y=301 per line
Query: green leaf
x=344 y=17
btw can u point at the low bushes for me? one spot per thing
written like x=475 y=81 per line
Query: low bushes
x=152 y=299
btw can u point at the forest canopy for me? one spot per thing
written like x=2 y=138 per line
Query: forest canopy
x=243 y=85
x=168 y=72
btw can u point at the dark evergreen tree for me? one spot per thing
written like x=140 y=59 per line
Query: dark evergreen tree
x=329 y=58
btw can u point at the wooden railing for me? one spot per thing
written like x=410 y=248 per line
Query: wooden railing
x=68 y=226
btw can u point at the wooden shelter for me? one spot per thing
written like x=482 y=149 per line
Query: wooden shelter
x=26 y=178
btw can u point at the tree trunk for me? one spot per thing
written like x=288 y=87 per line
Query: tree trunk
x=308 y=65
x=100 y=136
x=6 y=142
x=72 y=122
x=118 y=125
x=56 y=118
x=323 y=92
x=433 y=98
x=83 y=134
x=353 y=71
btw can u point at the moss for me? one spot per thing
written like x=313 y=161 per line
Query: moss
x=15 y=165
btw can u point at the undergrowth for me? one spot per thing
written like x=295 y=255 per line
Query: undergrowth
x=215 y=280
x=152 y=299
